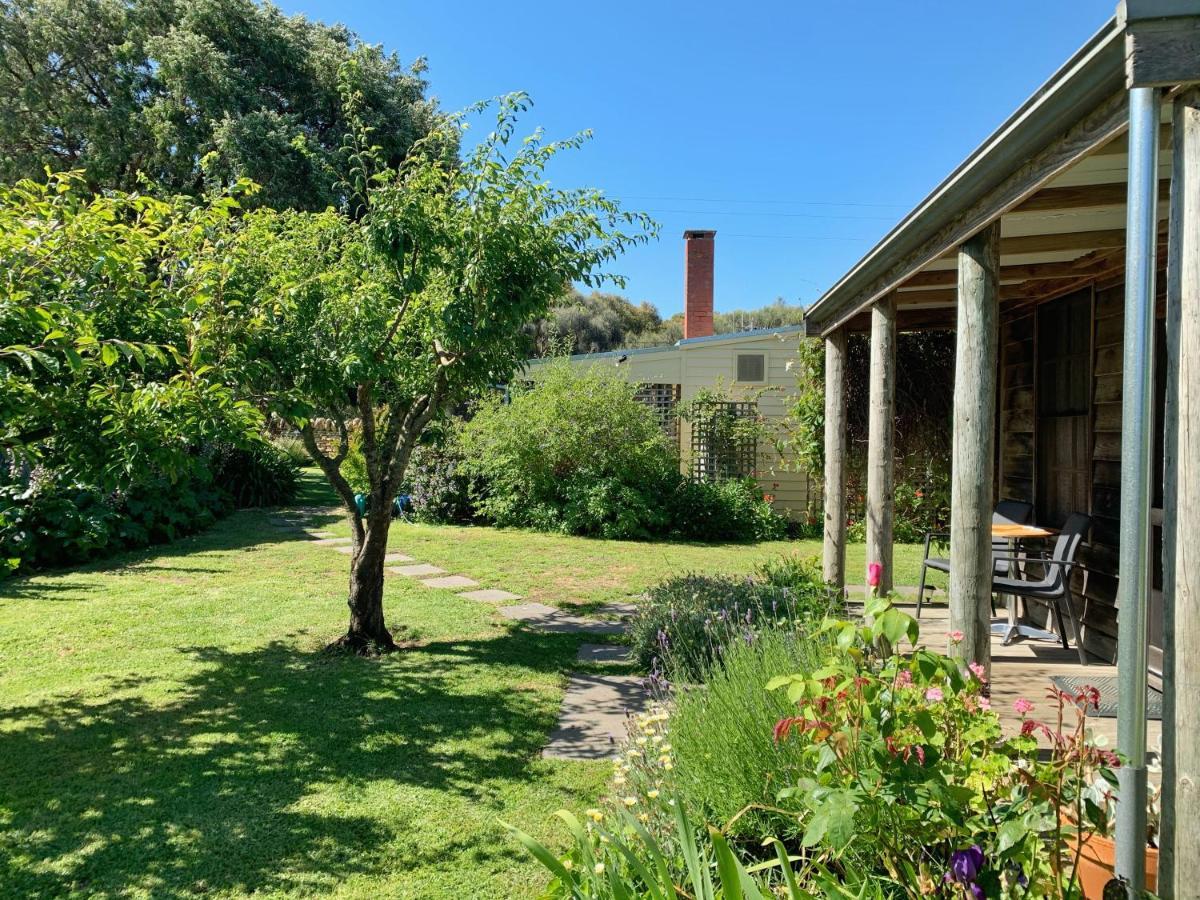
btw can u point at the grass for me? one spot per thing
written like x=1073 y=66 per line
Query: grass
x=170 y=727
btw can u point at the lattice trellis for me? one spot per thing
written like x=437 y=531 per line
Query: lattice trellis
x=722 y=447
x=661 y=398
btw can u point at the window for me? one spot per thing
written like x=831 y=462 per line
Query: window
x=752 y=367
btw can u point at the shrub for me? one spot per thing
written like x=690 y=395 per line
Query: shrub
x=441 y=489
x=257 y=474
x=731 y=510
x=293 y=448
x=575 y=452
x=685 y=624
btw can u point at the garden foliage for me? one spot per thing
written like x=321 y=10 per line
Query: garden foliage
x=575 y=451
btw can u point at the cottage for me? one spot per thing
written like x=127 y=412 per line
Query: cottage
x=1065 y=253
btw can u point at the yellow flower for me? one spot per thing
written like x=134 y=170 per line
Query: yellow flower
x=658 y=739
x=598 y=868
x=568 y=865
x=619 y=780
x=595 y=815
x=668 y=765
x=643 y=817
x=641 y=742
x=652 y=794
x=629 y=801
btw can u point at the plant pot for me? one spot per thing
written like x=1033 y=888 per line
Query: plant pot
x=1097 y=861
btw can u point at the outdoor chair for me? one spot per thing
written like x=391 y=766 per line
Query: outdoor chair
x=1053 y=589
x=1007 y=512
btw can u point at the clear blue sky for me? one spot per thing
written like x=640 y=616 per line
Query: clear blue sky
x=800 y=131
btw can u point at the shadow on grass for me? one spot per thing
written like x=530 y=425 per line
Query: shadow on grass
x=272 y=769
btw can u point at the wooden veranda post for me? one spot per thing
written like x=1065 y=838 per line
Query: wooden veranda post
x=835 y=459
x=881 y=438
x=1179 y=864
x=973 y=436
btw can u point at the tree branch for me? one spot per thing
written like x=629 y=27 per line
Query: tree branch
x=330 y=465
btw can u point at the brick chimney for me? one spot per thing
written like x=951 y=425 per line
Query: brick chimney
x=698 y=283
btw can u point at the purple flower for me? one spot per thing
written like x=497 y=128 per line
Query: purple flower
x=965 y=866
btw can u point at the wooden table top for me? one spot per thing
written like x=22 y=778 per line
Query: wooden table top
x=1012 y=531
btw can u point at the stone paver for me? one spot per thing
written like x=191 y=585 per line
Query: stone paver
x=416 y=571
x=594 y=718
x=604 y=653
x=548 y=618
x=490 y=595
x=333 y=541
x=321 y=534
x=397 y=557
x=346 y=550
x=619 y=608
x=450 y=581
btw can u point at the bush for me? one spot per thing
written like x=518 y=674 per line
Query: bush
x=732 y=510
x=685 y=624
x=258 y=474
x=576 y=452
x=441 y=489
x=293 y=448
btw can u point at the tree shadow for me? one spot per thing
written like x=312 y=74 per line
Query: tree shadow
x=222 y=781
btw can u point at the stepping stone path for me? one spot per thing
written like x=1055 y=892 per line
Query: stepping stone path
x=490 y=595
x=595 y=716
x=450 y=581
x=417 y=571
x=552 y=619
x=596 y=708
x=604 y=654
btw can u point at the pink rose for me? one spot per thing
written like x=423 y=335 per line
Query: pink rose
x=1022 y=706
x=956 y=636
x=874 y=574
x=934 y=694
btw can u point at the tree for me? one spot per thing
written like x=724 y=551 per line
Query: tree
x=92 y=382
x=193 y=95
x=381 y=316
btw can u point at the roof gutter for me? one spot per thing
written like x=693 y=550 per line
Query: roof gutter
x=1088 y=79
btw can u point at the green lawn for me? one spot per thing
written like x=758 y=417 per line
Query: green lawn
x=169 y=726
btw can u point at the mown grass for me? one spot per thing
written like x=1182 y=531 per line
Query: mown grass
x=170 y=727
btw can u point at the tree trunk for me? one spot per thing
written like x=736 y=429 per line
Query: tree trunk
x=367 y=633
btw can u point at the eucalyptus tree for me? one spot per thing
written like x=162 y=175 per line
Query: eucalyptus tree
x=412 y=298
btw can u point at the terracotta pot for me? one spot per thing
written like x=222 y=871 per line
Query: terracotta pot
x=1097 y=860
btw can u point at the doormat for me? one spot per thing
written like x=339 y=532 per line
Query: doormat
x=1107 y=686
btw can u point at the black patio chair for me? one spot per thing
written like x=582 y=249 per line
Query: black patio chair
x=1007 y=512
x=1053 y=589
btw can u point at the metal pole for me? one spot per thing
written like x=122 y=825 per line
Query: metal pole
x=1137 y=442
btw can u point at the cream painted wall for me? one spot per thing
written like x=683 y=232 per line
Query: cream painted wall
x=707 y=364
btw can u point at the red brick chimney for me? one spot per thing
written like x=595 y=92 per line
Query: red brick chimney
x=698 y=283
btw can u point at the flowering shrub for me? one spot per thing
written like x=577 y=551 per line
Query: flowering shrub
x=684 y=623
x=908 y=771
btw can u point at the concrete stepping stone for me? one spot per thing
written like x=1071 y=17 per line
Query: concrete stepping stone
x=397 y=557
x=346 y=550
x=621 y=609
x=604 y=653
x=450 y=581
x=595 y=715
x=548 y=618
x=490 y=595
x=333 y=541
x=416 y=571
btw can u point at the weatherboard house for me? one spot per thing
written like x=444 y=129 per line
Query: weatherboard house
x=752 y=370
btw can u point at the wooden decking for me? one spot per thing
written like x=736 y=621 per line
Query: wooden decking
x=1024 y=669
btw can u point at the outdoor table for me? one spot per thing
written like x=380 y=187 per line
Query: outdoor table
x=1014 y=534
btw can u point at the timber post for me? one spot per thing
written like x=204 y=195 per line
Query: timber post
x=881 y=439
x=834 y=567
x=1179 y=866
x=976 y=343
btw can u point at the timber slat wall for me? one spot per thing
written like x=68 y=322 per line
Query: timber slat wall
x=1095 y=590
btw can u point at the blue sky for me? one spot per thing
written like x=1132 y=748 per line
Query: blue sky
x=800 y=131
